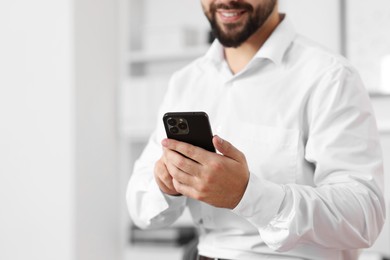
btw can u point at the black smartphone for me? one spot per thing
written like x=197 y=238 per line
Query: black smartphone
x=190 y=127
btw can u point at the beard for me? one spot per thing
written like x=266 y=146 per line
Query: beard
x=234 y=34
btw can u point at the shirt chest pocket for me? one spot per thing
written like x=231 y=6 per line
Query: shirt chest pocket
x=271 y=152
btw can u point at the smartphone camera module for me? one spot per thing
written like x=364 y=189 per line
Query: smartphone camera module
x=178 y=126
x=171 y=121
x=182 y=126
x=174 y=130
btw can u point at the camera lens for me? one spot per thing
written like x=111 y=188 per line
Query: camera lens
x=174 y=130
x=182 y=126
x=171 y=121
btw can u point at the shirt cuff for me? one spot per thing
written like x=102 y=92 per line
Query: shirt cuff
x=261 y=201
x=174 y=199
x=162 y=201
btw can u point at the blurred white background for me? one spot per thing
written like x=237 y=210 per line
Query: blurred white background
x=80 y=83
x=59 y=180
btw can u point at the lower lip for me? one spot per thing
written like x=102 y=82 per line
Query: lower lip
x=230 y=19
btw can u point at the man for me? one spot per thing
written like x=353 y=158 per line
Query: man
x=298 y=173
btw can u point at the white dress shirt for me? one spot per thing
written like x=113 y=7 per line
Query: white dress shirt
x=303 y=119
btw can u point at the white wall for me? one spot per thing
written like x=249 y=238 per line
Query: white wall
x=57 y=130
x=319 y=20
x=36 y=130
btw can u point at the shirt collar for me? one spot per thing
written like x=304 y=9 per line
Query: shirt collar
x=277 y=44
x=273 y=49
x=215 y=52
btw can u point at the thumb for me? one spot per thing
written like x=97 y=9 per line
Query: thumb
x=227 y=149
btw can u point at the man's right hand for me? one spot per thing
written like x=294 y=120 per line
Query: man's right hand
x=164 y=179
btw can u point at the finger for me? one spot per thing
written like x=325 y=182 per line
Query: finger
x=227 y=149
x=184 y=189
x=181 y=162
x=195 y=153
x=164 y=179
x=164 y=188
x=179 y=175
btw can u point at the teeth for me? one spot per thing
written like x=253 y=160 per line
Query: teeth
x=229 y=14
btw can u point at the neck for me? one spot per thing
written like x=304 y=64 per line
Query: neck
x=238 y=58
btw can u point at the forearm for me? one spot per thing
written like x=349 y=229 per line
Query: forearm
x=344 y=215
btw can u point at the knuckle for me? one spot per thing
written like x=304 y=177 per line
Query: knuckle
x=166 y=178
x=216 y=166
x=181 y=163
x=172 y=173
x=189 y=151
x=158 y=169
x=167 y=155
x=176 y=185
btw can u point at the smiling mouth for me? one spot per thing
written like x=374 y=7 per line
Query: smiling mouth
x=229 y=16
